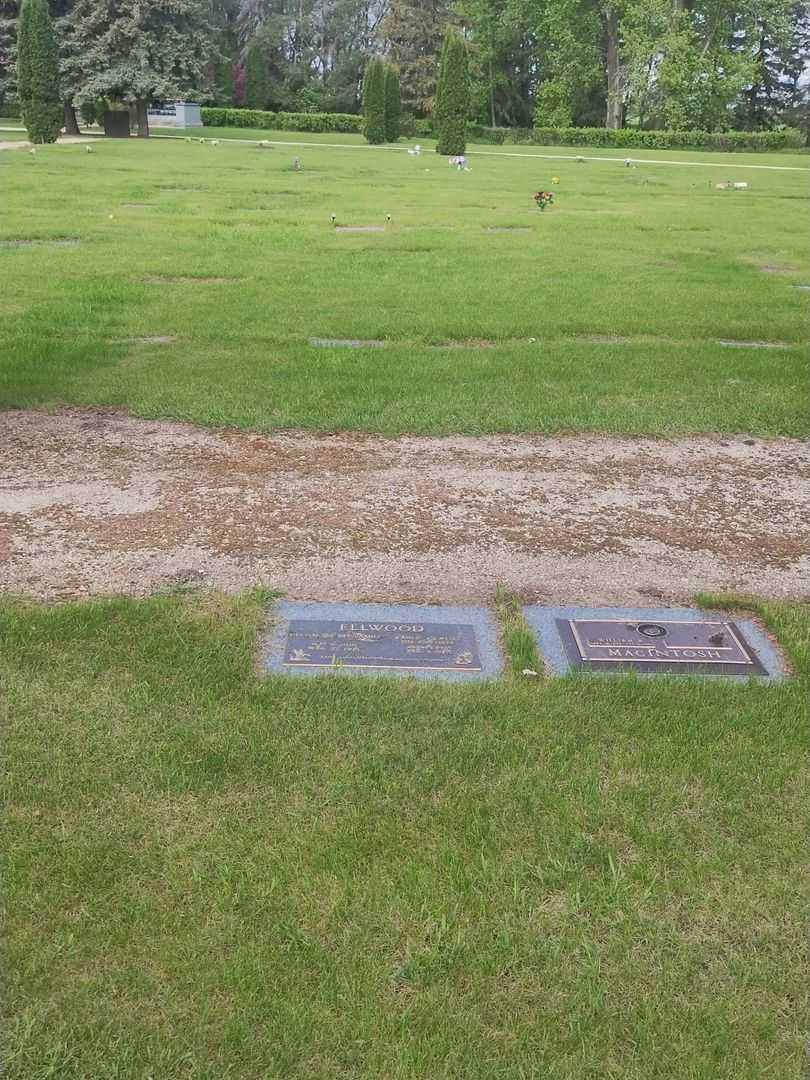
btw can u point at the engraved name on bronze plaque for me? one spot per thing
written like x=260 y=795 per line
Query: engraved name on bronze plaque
x=697 y=647
x=421 y=646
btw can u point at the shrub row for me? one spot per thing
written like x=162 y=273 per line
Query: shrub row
x=281 y=121
x=623 y=138
x=635 y=138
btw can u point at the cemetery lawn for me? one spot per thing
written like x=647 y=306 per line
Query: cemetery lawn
x=210 y=875
x=604 y=314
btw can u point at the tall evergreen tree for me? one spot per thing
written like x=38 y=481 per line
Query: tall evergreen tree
x=374 y=100
x=393 y=108
x=136 y=52
x=38 y=73
x=257 y=85
x=452 y=96
x=223 y=82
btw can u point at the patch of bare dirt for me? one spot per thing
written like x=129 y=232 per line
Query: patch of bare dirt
x=96 y=501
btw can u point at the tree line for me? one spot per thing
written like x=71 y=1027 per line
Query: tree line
x=679 y=64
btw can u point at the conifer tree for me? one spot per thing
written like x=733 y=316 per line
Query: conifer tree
x=452 y=96
x=393 y=107
x=374 y=100
x=38 y=73
x=257 y=85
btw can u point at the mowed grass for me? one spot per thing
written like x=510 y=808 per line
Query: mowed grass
x=605 y=314
x=210 y=875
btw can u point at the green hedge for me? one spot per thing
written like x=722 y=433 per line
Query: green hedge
x=634 y=138
x=623 y=139
x=282 y=121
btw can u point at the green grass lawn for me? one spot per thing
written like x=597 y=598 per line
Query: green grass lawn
x=604 y=314
x=211 y=875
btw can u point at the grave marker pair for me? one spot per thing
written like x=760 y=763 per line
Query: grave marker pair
x=460 y=644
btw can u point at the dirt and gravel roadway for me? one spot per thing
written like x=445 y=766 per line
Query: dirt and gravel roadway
x=95 y=501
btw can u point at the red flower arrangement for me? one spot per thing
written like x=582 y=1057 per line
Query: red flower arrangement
x=543 y=199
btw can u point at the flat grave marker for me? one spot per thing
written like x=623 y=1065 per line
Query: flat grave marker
x=448 y=643
x=653 y=641
x=55 y=241
x=730 y=344
x=346 y=343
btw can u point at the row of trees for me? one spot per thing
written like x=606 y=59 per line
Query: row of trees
x=657 y=63
x=121 y=53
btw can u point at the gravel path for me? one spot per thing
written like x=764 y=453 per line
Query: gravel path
x=23 y=144
x=96 y=501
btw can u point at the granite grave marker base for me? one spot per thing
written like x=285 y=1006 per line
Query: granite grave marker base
x=653 y=641
x=454 y=644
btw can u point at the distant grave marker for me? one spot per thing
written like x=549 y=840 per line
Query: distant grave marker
x=453 y=644
x=56 y=241
x=653 y=642
x=346 y=343
x=170 y=279
x=730 y=344
x=149 y=339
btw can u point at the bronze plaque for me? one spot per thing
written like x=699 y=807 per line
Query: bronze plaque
x=415 y=645
x=693 y=647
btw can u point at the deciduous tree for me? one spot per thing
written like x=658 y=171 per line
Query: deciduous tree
x=414 y=30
